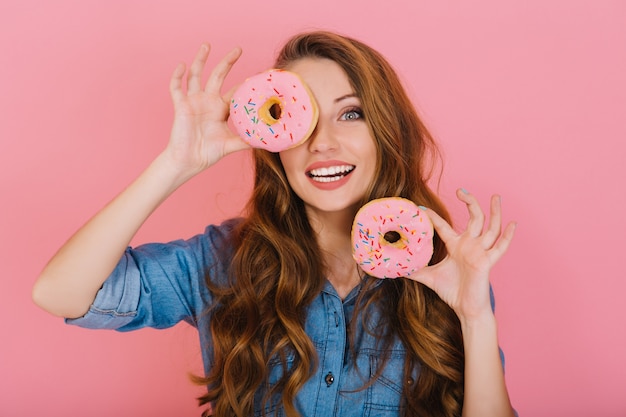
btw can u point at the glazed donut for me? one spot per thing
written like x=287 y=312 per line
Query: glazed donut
x=391 y=238
x=274 y=110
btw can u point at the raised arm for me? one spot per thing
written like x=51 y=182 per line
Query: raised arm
x=200 y=137
x=462 y=281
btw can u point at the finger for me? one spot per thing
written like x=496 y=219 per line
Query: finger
x=495 y=223
x=221 y=70
x=176 y=82
x=425 y=276
x=502 y=245
x=235 y=144
x=229 y=95
x=476 y=216
x=444 y=230
x=194 y=80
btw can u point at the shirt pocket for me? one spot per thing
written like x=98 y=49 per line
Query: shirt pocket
x=384 y=395
x=271 y=408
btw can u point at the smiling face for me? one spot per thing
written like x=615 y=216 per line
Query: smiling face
x=334 y=168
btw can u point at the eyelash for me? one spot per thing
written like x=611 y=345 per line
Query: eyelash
x=356 y=110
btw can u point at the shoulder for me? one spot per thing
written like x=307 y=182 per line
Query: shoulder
x=223 y=234
x=214 y=248
x=218 y=240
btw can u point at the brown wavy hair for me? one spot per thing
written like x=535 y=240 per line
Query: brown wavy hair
x=258 y=319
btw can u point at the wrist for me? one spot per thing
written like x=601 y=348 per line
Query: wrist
x=171 y=171
x=478 y=322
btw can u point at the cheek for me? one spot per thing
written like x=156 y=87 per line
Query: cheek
x=371 y=158
x=286 y=158
x=367 y=149
x=290 y=159
x=370 y=179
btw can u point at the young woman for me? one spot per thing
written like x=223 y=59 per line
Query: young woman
x=289 y=325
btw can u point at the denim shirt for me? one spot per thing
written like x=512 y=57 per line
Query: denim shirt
x=159 y=285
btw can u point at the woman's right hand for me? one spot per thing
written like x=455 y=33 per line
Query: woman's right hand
x=200 y=134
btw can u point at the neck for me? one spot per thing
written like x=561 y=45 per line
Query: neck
x=333 y=235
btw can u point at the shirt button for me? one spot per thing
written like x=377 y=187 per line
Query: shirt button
x=330 y=378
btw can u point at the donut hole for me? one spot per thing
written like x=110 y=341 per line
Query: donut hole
x=271 y=111
x=275 y=111
x=392 y=236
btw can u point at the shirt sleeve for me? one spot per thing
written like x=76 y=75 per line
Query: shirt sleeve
x=492 y=298
x=160 y=284
x=493 y=307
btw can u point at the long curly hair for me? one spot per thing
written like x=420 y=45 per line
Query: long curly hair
x=259 y=317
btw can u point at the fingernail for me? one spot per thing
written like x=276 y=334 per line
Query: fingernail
x=464 y=191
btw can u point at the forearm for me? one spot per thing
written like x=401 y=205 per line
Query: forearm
x=485 y=389
x=68 y=284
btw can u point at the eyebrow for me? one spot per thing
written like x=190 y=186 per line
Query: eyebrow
x=347 y=96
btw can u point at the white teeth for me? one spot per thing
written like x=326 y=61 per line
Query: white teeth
x=334 y=170
x=327 y=179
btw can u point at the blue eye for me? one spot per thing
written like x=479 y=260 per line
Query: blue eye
x=352 y=114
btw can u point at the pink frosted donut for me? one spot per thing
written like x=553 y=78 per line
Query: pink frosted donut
x=391 y=237
x=273 y=110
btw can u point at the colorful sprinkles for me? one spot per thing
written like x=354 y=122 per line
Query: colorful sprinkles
x=257 y=95
x=382 y=258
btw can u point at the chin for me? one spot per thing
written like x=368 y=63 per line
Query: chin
x=335 y=206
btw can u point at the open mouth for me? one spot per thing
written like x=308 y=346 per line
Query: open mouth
x=330 y=174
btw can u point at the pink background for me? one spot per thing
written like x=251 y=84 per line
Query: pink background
x=527 y=98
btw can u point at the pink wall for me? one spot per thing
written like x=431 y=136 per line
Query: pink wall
x=528 y=99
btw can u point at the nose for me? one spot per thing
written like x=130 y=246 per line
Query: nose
x=322 y=139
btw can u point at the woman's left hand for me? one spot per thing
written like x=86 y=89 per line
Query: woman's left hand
x=461 y=279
